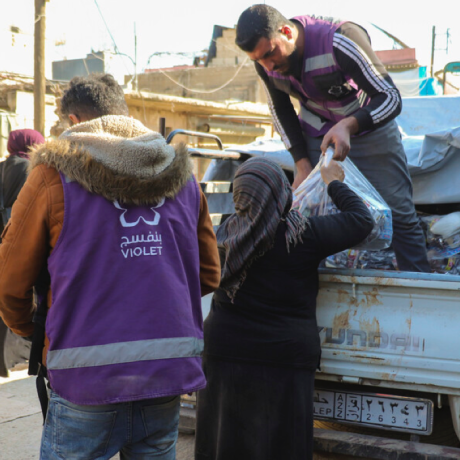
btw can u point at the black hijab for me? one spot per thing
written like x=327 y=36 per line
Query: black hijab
x=263 y=197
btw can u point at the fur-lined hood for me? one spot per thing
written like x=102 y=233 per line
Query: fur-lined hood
x=119 y=158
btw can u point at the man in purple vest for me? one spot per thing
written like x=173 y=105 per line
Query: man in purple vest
x=117 y=218
x=346 y=99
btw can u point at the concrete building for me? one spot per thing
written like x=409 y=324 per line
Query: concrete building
x=222 y=50
x=228 y=75
x=67 y=69
x=17 y=105
x=234 y=123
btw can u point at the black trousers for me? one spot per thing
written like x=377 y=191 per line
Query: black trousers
x=254 y=412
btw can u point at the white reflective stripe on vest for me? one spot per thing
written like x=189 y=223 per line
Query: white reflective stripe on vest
x=311 y=119
x=348 y=109
x=319 y=62
x=124 y=352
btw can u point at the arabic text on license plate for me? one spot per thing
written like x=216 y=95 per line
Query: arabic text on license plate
x=387 y=412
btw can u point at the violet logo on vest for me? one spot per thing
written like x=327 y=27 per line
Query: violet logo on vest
x=131 y=217
x=149 y=220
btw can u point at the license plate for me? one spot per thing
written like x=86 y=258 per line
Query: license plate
x=381 y=411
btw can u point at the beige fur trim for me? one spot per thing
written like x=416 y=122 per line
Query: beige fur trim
x=117 y=125
x=119 y=158
x=79 y=165
x=123 y=144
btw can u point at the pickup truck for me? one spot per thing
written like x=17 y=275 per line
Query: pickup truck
x=390 y=353
x=389 y=384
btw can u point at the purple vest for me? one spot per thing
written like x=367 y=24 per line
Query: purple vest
x=326 y=94
x=125 y=322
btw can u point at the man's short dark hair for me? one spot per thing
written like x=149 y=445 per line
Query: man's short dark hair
x=258 y=21
x=94 y=96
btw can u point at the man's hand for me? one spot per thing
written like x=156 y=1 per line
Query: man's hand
x=339 y=135
x=304 y=168
x=333 y=171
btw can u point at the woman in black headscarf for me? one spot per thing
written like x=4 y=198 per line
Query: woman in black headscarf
x=13 y=171
x=262 y=345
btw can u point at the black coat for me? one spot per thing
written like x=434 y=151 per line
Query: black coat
x=15 y=175
x=273 y=317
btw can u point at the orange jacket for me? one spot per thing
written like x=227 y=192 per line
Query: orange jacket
x=34 y=228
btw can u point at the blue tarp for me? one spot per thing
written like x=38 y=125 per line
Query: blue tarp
x=429 y=114
x=430 y=127
x=430 y=130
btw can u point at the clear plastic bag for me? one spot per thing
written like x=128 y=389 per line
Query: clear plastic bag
x=384 y=259
x=311 y=199
x=344 y=259
x=440 y=247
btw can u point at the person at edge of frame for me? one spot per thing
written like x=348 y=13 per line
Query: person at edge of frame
x=118 y=219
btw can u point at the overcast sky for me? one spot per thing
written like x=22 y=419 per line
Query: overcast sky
x=186 y=25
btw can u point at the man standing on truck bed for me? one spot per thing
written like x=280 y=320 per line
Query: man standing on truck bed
x=346 y=98
x=117 y=217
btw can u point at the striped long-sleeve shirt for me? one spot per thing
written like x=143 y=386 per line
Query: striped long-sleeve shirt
x=357 y=60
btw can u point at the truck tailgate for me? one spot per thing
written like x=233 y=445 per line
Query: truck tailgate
x=388 y=327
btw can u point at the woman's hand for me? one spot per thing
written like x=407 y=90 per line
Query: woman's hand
x=333 y=171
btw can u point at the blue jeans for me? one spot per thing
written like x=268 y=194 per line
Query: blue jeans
x=138 y=430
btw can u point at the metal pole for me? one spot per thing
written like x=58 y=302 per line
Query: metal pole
x=444 y=81
x=162 y=126
x=39 y=66
x=433 y=42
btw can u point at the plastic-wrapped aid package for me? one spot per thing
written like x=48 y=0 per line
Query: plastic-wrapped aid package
x=443 y=249
x=443 y=238
x=449 y=265
x=384 y=259
x=311 y=199
x=443 y=242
